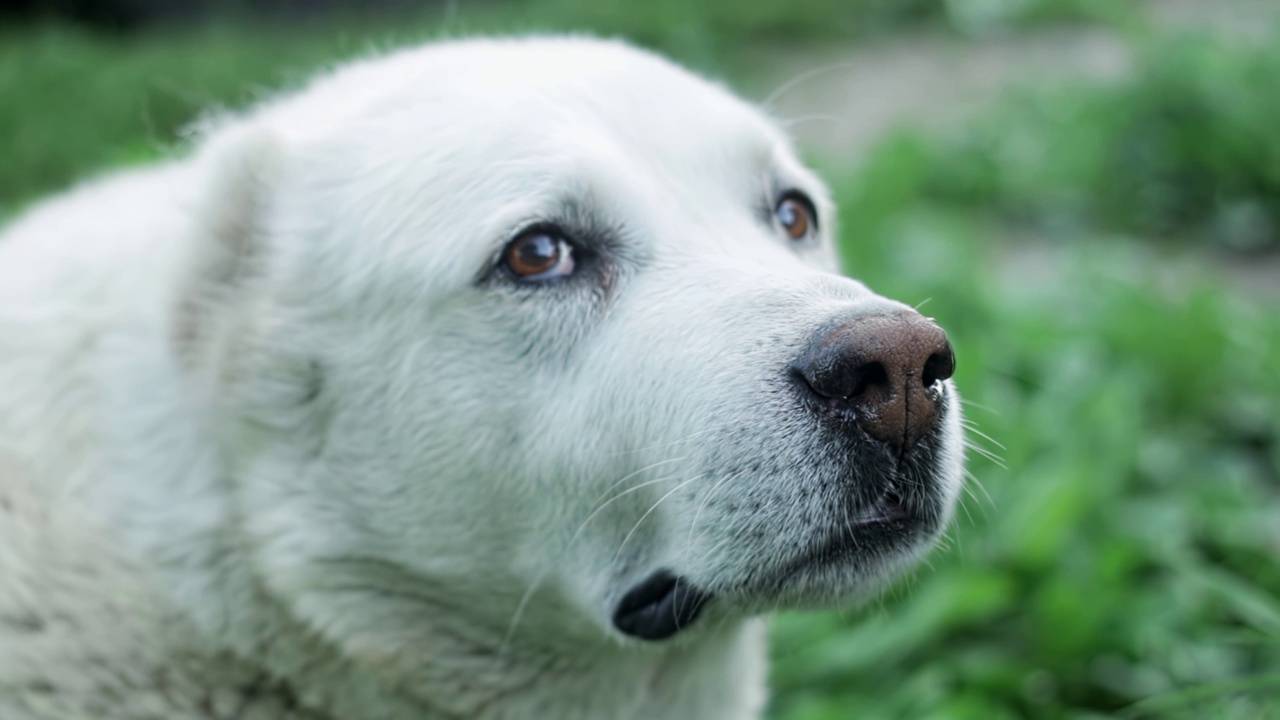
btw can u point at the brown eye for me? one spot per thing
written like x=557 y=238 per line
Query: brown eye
x=796 y=216
x=539 y=255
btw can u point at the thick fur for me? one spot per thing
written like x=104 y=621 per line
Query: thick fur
x=280 y=441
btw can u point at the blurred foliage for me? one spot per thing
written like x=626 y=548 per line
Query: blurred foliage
x=1189 y=146
x=73 y=101
x=687 y=29
x=1121 y=559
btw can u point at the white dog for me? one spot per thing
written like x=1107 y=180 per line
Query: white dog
x=490 y=379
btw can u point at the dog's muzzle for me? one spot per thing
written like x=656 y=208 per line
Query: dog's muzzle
x=877 y=385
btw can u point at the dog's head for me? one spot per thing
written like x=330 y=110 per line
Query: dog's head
x=546 y=335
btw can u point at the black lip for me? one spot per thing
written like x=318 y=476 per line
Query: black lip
x=659 y=607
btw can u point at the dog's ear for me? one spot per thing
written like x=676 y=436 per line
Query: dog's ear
x=239 y=168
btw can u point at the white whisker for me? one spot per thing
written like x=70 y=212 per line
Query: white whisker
x=965 y=506
x=979 y=406
x=803 y=77
x=533 y=587
x=974 y=479
x=688 y=438
x=986 y=454
x=799 y=119
x=630 y=475
x=648 y=512
x=971 y=427
x=610 y=501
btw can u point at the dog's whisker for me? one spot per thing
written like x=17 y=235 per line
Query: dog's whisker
x=610 y=501
x=947 y=540
x=789 y=123
x=994 y=458
x=642 y=470
x=800 y=79
x=974 y=479
x=973 y=428
x=662 y=446
x=533 y=587
x=968 y=491
x=519 y=614
x=976 y=440
x=965 y=506
x=965 y=402
x=648 y=512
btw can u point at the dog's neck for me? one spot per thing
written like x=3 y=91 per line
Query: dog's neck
x=469 y=674
x=174 y=510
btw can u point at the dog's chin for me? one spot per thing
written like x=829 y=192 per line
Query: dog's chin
x=836 y=567
x=843 y=570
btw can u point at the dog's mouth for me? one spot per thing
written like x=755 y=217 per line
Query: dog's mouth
x=889 y=523
x=659 y=607
x=665 y=604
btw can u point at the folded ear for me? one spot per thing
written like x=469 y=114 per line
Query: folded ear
x=238 y=169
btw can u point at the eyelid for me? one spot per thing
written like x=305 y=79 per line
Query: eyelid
x=803 y=198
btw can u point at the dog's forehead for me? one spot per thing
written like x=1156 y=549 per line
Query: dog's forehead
x=639 y=99
x=585 y=82
x=514 y=98
x=479 y=138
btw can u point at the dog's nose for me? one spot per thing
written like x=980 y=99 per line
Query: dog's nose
x=885 y=370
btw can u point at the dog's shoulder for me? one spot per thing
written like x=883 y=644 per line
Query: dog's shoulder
x=84 y=634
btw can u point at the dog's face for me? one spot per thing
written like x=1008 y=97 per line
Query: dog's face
x=547 y=335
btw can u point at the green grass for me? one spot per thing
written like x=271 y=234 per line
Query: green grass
x=1123 y=560
x=1188 y=147
x=74 y=102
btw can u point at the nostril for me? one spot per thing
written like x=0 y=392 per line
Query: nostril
x=842 y=382
x=869 y=376
x=940 y=366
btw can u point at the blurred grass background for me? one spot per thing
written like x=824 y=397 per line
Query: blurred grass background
x=1102 y=248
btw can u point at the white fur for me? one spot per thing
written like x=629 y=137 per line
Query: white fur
x=279 y=434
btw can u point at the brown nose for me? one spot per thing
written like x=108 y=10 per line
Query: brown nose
x=885 y=370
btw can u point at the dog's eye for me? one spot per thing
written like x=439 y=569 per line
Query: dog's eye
x=796 y=215
x=538 y=254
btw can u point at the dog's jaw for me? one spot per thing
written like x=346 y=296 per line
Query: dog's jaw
x=467 y=673
x=453 y=669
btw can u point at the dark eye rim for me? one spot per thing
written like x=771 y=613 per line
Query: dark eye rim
x=809 y=206
x=544 y=278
